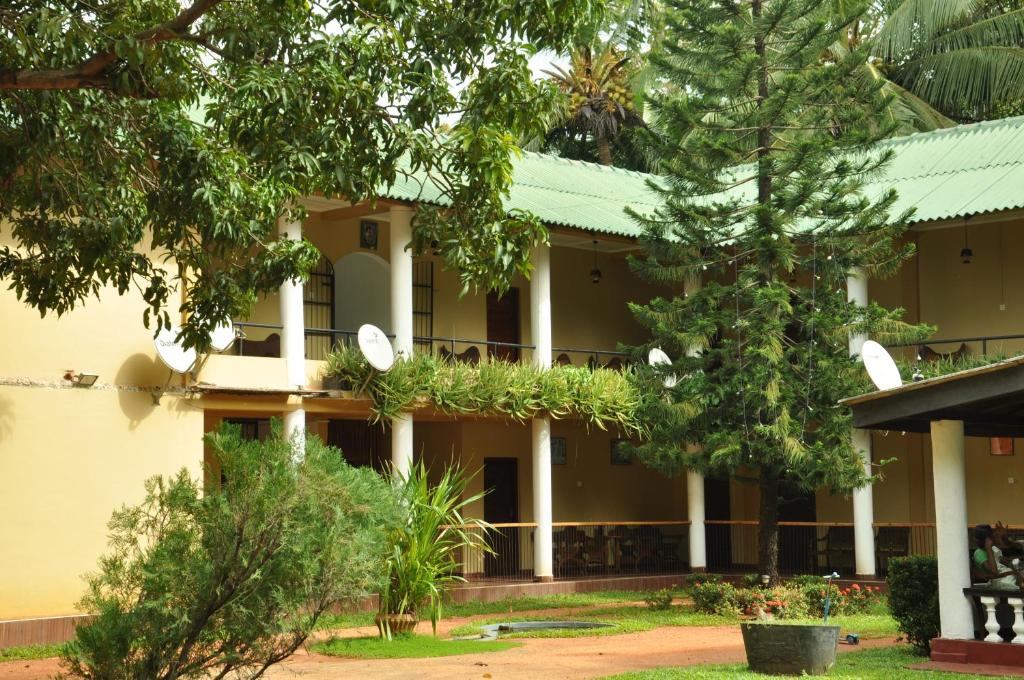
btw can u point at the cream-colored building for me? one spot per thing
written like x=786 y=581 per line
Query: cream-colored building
x=69 y=455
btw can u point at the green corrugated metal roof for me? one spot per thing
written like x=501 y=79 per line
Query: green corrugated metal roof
x=961 y=171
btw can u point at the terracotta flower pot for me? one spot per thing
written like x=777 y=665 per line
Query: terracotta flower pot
x=790 y=649
x=397 y=623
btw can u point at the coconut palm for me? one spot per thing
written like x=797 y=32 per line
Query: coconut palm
x=599 y=102
x=945 y=61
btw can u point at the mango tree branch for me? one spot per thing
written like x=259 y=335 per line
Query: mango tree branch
x=90 y=73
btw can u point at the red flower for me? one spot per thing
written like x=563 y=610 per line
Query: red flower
x=856 y=587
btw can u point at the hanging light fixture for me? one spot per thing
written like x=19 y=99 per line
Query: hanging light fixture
x=966 y=253
x=595 y=273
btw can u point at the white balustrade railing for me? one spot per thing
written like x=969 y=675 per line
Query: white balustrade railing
x=990 y=599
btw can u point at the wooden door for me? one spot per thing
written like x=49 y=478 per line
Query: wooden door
x=501 y=506
x=718 y=537
x=362 y=444
x=503 y=324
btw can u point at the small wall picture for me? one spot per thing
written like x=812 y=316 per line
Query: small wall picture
x=558 y=453
x=368 y=235
x=1001 y=446
x=620 y=455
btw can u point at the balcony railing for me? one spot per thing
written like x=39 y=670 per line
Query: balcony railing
x=998 y=615
x=952 y=345
x=320 y=342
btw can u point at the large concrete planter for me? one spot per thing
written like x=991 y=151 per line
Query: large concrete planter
x=790 y=649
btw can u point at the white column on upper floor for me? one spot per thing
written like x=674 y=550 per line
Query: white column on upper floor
x=949 y=474
x=401 y=279
x=293 y=343
x=863 y=497
x=695 y=484
x=540 y=324
x=401 y=326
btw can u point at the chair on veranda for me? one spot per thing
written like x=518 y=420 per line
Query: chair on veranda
x=836 y=546
x=891 y=542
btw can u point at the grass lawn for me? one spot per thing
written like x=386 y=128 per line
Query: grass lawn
x=406 y=647
x=884 y=664
x=512 y=604
x=27 y=652
x=636 y=619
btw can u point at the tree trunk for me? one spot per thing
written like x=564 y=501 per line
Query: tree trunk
x=768 y=524
x=604 y=151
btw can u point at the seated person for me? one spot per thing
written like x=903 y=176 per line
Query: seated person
x=986 y=561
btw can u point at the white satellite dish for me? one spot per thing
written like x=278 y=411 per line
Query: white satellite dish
x=222 y=336
x=657 y=357
x=880 y=366
x=171 y=351
x=376 y=347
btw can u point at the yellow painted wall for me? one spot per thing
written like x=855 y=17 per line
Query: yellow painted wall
x=68 y=458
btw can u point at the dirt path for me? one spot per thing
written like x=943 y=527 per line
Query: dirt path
x=583 y=657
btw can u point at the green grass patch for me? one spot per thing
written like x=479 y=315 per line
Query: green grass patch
x=27 y=652
x=407 y=647
x=888 y=663
x=507 y=605
x=638 y=619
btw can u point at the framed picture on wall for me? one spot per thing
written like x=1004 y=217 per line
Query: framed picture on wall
x=558 y=453
x=620 y=455
x=368 y=235
x=1000 y=446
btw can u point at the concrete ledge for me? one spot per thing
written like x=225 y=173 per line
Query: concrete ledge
x=977 y=652
x=42 y=631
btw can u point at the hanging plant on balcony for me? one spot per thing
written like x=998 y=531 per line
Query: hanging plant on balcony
x=601 y=397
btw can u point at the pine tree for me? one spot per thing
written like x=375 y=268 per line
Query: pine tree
x=766 y=146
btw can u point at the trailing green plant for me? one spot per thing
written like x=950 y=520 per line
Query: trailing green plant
x=914 y=598
x=710 y=597
x=602 y=397
x=424 y=549
x=216 y=582
x=659 y=600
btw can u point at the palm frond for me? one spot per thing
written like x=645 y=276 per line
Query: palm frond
x=967 y=82
x=912 y=21
x=1002 y=29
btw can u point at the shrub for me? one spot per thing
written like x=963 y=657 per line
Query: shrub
x=786 y=602
x=659 y=600
x=914 y=598
x=860 y=599
x=750 y=581
x=227 y=581
x=751 y=600
x=690 y=580
x=423 y=549
x=714 y=598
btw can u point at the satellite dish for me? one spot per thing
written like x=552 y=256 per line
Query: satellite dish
x=171 y=351
x=657 y=357
x=222 y=336
x=376 y=347
x=880 y=366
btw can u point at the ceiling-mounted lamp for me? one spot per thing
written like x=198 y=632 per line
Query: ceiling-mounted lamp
x=83 y=379
x=966 y=253
x=595 y=273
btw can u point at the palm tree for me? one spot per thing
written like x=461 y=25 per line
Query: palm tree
x=945 y=61
x=599 y=100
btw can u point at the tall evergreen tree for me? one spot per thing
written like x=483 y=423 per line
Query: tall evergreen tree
x=766 y=147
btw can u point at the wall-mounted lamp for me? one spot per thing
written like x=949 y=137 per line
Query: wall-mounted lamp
x=80 y=379
x=595 y=273
x=966 y=253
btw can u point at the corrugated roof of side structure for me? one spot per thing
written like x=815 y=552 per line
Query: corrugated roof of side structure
x=946 y=174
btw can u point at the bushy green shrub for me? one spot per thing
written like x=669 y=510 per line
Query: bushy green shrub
x=690 y=580
x=712 y=597
x=914 y=598
x=659 y=600
x=750 y=581
x=227 y=581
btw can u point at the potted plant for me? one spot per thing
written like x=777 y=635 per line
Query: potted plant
x=424 y=551
x=777 y=648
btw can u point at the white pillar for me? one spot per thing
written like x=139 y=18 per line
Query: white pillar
x=293 y=343
x=401 y=445
x=401 y=279
x=863 y=497
x=695 y=483
x=956 y=617
x=542 y=558
x=540 y=306
x=401 y=326
x=695 y=512
x=540 y=324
